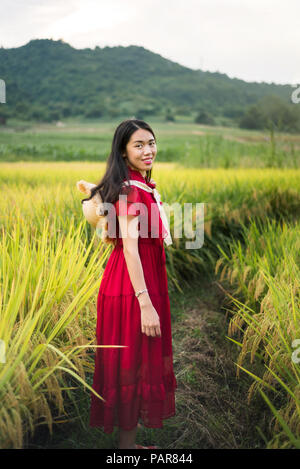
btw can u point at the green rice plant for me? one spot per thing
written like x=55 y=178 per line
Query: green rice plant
x=265 y=276
x=45 y=284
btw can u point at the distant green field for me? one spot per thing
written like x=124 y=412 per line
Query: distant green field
x=189 y=144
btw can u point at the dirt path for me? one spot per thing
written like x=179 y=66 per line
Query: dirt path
x=211 y=401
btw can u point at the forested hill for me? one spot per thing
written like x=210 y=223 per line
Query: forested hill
x=51 y=76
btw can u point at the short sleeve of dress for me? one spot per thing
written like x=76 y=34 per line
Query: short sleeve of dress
x=130 y=202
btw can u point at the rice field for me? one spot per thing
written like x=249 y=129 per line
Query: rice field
x=52 y=261
x=266 y=319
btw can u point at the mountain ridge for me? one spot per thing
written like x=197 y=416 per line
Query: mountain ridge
x=49 y=74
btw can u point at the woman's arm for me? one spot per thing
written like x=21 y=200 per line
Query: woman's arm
x=129 y=230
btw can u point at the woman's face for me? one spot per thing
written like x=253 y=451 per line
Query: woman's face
x=141 y=151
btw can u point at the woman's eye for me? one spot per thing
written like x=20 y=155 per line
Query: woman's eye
x=140 y=145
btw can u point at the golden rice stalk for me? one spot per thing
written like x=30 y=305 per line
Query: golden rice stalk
x=259 y=287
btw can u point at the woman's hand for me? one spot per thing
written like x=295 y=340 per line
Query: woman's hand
x=150 y=320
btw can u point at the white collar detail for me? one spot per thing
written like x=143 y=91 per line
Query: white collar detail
x=142 y=185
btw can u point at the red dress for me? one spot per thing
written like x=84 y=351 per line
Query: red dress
x=137 y=381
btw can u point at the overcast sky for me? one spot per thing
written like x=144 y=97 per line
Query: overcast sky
x=255 y=40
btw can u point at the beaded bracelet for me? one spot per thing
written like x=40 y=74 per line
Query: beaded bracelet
x=139 y=292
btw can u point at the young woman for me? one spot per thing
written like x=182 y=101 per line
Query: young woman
x=133 y=308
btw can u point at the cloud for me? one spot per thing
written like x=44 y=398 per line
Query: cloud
x=256 y=40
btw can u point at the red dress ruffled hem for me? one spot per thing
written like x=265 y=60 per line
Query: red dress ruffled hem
x=141 y=401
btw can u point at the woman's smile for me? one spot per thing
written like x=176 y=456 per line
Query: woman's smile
x=148 y=161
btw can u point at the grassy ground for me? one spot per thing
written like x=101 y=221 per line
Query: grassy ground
x=211 y=407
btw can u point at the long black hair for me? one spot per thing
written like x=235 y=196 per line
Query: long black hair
x=110 y=185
